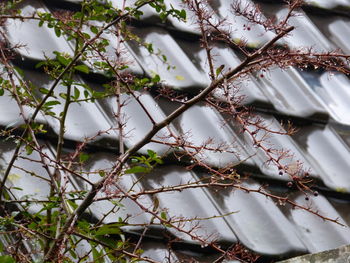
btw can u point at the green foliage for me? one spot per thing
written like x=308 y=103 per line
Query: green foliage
x=7 y=259
x=144 y=164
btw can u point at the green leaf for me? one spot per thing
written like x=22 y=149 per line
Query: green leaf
x=156 y=78
x=40 y=64
x=97 y=256
x=164 y=58
x=19 y=71
x=83 y=157
x=73 y=254
x=57 y=31
x=219 y=69
x=78 y=15
x=98 y=95
x=163 y=15
x=182 y=14
x=29 y=149
x=63 y=95
x=7 y=259
x=158 y=161
x=44 y=90
x=111 y=229
x=82 y=68
x=51 y=103
x=2 y=91
x=86 y=94
x=149 y=48
x=152 y=154
x=64 y=61
x=72 y=204
x=76 y=93
x=163 y=215
x=94 y=29
x=137 y=169
x=84 y=226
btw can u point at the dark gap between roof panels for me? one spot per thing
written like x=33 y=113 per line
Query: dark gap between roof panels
x=279 y=186
x=69 y=5
x=339 y=11
x=153 y=22
x=296 y=120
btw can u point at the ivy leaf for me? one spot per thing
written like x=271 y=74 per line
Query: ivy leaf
x=2 y=91
x=82 y=68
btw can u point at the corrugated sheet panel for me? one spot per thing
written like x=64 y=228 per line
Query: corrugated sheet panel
x=250 y=218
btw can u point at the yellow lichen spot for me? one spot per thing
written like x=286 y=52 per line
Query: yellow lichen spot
x=253 y=44
x=178 y=77
x=236 y=40
x=340 y=190
x=37 y=190
x=14 y=177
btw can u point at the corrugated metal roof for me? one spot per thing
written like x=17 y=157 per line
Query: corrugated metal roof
x=252 y=219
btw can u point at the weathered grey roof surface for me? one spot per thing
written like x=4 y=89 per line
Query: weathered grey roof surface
x=318 y=100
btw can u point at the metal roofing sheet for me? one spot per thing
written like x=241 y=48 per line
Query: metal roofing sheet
x=307 y=34
x=329 y=153
x=23 y=35
x=240 y=27
x=289 y=92
x=252 y=219
x=315 y=233
x=329 y=4
x=165 y=58
x=257 y=221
